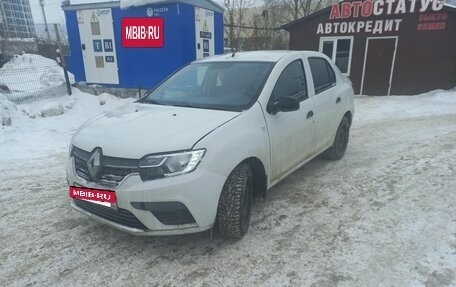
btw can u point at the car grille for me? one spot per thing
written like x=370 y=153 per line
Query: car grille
x=113 y=170
x=120 y=216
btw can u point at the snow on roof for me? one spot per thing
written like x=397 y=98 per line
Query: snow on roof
x=134 y=3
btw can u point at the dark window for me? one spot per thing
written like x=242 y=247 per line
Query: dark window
x=339 y=50
x=291 y=82
x=322 y=74
x=343 y=54
x=328 y=48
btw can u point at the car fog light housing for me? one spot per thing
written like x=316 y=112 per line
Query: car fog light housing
x=167 y=165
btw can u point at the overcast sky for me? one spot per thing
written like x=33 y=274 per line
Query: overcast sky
x=54 y=13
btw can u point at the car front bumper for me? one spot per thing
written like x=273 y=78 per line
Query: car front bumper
x=198 y=192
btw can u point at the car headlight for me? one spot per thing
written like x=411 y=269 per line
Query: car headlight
x=167 y=165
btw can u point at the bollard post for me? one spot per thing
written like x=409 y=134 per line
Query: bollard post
x=65 y=72
x=67 y=80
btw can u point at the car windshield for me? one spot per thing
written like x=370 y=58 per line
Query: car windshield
x=232 y=86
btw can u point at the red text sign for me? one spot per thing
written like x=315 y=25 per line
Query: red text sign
x=357 y=13
x=142 y=32
x=382 y=7
x=92 y=194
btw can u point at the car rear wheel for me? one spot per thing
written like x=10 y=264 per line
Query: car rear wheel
x=233 y=214
x=337 y=150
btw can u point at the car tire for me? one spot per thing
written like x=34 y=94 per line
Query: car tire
x=233 y=213
x=337 y=150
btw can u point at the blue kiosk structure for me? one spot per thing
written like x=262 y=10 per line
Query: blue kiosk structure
x=139 y=46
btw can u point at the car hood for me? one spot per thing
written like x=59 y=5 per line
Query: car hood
x=135 y=130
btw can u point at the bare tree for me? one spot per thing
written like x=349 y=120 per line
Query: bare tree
x=301 y=8
x=265 y=25
x=235 y=18
x=251 y=26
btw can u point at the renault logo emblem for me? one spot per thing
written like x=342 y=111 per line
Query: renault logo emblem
x=94 y=163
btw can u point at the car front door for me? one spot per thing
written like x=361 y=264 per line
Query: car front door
x=290 y=133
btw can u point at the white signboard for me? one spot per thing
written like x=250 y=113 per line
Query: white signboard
x=204 y=33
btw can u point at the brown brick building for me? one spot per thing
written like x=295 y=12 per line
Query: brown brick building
x=398 y=47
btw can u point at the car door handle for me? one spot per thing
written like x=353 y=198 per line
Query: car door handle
x=310 y=114
x=338 y=100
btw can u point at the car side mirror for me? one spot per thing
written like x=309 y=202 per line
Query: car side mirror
x=283 y=104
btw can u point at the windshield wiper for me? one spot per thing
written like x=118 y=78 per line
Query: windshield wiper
x=226 y=108
x=207 y=106
x=193 y=105
x=150 y=101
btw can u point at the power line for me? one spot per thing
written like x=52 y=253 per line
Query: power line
x=252 y=28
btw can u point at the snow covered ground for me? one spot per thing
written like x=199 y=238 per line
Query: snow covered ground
x=384 y=215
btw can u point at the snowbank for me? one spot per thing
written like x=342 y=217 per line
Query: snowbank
x=30 y=77
x=7 y=111
x=434 y=103
x=45 y=127
x=52 y=109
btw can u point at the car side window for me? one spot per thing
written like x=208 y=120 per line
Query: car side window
x=291 y=82
x=322 y=74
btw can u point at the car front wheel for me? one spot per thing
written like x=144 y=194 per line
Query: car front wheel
x=233 y=214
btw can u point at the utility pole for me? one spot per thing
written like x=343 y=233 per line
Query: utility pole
x=61 y=59
x=45 y=21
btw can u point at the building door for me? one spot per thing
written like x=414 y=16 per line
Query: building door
x=378 y=66
x=98 y=46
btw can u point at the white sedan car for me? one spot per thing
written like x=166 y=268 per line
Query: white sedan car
x=191 y=154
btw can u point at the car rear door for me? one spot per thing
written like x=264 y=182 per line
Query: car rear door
x=290 y=133
x=325 y=100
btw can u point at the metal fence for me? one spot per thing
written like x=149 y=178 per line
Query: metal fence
x=28 y=78
x=32 y=73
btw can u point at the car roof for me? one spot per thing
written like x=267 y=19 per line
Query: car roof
x=254 y=56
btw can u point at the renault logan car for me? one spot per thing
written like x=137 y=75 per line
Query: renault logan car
x=191 y=153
